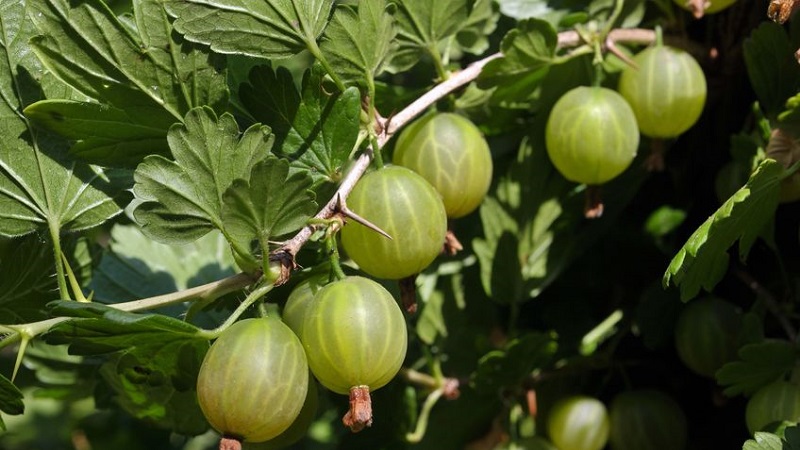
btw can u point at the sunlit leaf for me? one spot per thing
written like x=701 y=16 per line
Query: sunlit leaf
x=314 y=129
x=146 y=79
x=39 y=187
x=182 y=199
x=267 y=28
x=272 y=203
x=703 y=259
x=357 y=41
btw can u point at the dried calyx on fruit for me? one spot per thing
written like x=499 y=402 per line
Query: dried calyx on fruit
x=785 y=148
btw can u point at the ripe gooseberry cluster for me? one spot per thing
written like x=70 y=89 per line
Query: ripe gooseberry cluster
x=592 y=134
x=443 y=170
x=254 y=384
x=638 y=419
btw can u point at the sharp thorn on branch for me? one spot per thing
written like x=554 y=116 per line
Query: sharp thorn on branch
x=342 y=207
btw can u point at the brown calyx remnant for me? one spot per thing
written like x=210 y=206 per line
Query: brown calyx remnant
x=408 y=293
x=781 y=10
x=655 y=160
x=360 y=414
x=230 y=443
x=593 y=208
x=451 y=243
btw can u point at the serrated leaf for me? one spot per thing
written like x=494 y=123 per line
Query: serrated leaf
x=771 y=66
x=272 y=203
x=422 y=25
x=357 y=42
x=147 y=77
x=154 y=360
x=758 y=365
x=524 y=9
x=10 y=399
x=509 y=366
x=473 y=36
x=528 y=51
x=38 y=187
x=314 y=129
x=138 y=267
x=703 y=259
x=265 y=29
x=182 y=199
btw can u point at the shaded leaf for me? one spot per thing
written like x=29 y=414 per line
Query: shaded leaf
x=357 y=42
x=703 y=259
x=773 y=71
x=473 y=36
x=759 y=364
x=266 y=29
x=27 y=283
x=146 y=78
x=157 y=383
x=10 y=399
x=272 y=203
x=508 y=367
x=138 y=267
x=38 y=187
x=315 y=130
x=182 y=199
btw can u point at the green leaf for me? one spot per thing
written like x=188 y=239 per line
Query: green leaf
x=758 y=365
x=422 y=25
x=146 y=78
x=764 y=441
x=182 y=199
x=357 y=42
x=771 y=66
x=10 y=399
x=473 y=36
x=265 y=29
x=39 y=188
x=138 y=267
x=157 y=383
x=509 y=366
x=272 y=203
x=314 y=129
x=703 y=259
x=524 y=9
x=528 y=51
x=27 y=283
x=98 y=329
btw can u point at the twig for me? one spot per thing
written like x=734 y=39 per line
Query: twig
x=769 y=300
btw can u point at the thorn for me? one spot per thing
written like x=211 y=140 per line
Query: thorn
x=612 y=47
x=342 y=207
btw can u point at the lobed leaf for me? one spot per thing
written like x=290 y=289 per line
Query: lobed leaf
x=422 y=25
x=790 y=440
x=758 y=364
x=357 y=41
x=528 y=52
x=271 y=203
x=703 y=259
x=39 y=187
x=182 y=199
x=147 y=78
x=264 y=29
x=316 y=130
x=27 y=283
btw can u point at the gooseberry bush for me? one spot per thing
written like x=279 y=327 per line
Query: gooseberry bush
x=399 y=224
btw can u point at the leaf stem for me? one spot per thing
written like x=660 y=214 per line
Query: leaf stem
x=252 y=297
x=61 y=277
